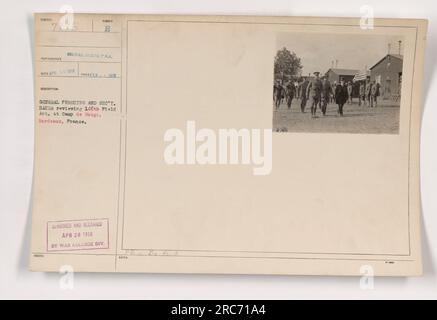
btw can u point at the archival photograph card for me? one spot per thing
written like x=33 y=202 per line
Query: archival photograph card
x=227 y=144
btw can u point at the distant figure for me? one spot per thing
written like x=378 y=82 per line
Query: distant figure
x=374 y=94
x=333 y=90
x=362 y=94
x=299 y=84
x=368 y=92
x=341 y=96
x=314 y=92
x=303 y=95
x=326 y=93
x=296 y=86
x=278 y=93
x=289 y=93
x=349 y=92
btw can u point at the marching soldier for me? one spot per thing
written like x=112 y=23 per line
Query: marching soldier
x=290 y=91
x=278 y=93
x=326 y=93
x=303 y=95
x=314 y=92
x=349 y=92
x=333 y=90
x=368 y=92
x=296 y=86
x=374 y=94
x=362 y=93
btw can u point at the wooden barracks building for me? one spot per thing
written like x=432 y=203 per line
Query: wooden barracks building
x=335 y=74
x=388 y=73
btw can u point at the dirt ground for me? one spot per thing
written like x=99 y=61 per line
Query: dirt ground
x=356 y=119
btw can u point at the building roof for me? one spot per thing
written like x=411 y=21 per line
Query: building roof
x=398 y=56
x=343 y=72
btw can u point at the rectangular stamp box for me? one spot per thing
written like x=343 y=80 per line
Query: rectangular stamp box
x=73 y=235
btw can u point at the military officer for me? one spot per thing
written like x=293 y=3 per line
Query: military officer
x=333 y=90
x=374 y=94
x=314 y=92
x=349 y=91
x=326 y=93
x=368 y=92
x=290 y=92
x=303 y=95
x=362 y=93
x=278 y=93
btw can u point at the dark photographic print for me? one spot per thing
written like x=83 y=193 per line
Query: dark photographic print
x=337 y=83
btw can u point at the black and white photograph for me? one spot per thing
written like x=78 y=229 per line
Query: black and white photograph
x=346 y=83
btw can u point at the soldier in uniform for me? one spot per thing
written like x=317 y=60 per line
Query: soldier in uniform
x=303 y=95
x=362 y=93
x=374 y=94
x=296 y=85
x=349 y=92
x=341 y=96
x=278 y=93
x=290 y=92
x=314 y=92
x=326 y=93
x=368 y=92
x=333 y=90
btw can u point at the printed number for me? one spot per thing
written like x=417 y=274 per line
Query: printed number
x=239 y=309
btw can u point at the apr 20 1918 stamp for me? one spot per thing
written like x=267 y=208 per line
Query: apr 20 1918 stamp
x=69 y=235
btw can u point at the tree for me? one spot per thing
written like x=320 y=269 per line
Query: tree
x=287 y=65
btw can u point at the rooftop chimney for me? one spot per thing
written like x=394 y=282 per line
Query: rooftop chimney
x=400 y=46
x=389 y=48
x=336 y=63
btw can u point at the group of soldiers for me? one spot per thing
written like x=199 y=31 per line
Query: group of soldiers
x=369 y=93
x=318 y=92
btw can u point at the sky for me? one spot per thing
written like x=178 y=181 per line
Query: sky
x=352 y=51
